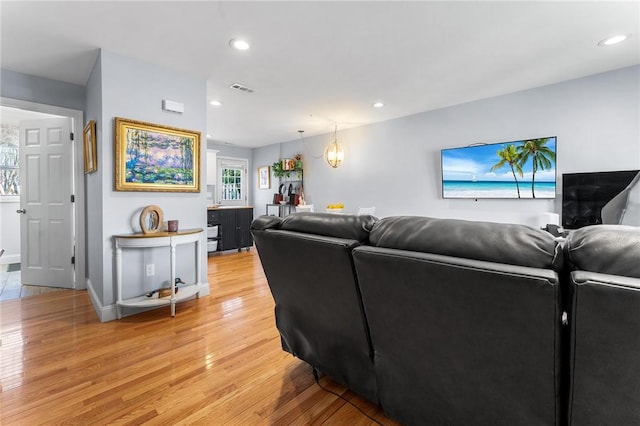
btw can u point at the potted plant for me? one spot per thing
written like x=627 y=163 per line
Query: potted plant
x=278 y=170
x=295 y=166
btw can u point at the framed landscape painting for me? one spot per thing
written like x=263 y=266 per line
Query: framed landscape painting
x=153 y=157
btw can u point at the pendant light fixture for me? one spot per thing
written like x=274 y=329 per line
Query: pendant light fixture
x=334 y=154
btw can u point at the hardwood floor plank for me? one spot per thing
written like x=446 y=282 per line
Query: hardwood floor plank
x=218 y=362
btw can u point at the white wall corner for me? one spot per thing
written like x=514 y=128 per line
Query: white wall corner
x=104 y=313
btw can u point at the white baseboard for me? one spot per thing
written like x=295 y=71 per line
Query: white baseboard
x=104 y=313
x=9 y=258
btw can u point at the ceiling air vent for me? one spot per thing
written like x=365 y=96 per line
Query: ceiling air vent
x=241 y=87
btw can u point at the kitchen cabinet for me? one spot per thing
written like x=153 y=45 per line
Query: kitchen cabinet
x=234 y=224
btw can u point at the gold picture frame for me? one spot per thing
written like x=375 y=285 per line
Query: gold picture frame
x=89 y=143
x=264 y=177
x=154 y=157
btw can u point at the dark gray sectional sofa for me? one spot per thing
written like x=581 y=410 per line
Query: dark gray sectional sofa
x=444 y=321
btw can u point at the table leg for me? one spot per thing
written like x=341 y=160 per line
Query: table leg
x=198 y=257
x=172 y=282
x=118 y=281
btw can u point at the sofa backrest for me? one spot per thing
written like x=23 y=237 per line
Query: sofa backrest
x=307 y=260
x=606 y=249
x=492 y=242
x=465 y=320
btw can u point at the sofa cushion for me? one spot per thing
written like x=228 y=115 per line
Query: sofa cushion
x=493 y=242
x=606 y=249
x=347 y=226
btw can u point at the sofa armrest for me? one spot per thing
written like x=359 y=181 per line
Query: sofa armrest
x=346 y=226
x=264 y=222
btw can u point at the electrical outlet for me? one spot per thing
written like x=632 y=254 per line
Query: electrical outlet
x=150 y=269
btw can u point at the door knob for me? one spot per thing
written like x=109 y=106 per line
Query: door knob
x=23 y=211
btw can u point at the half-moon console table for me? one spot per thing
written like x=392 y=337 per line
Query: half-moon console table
x=158 y=239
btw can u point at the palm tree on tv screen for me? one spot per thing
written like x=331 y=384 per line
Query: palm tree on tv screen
x=542 y=157
x=509 y=155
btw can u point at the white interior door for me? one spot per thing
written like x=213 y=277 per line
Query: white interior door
x=46 y=225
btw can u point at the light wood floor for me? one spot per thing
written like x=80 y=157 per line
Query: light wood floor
x=218 y=362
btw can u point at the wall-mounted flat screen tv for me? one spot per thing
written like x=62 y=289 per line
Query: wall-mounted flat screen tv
x=585 y=194
x=516 y=169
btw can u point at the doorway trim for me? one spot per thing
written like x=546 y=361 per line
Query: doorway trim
x=242 y=163
x=77 y=118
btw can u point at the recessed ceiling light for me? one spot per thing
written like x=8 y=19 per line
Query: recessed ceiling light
x=239 y=44
x=610 y=41
x=378 y=105
x=215 y=103
x=208 y=136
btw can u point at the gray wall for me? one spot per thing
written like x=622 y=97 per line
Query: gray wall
x=225 y=150
x=230 y=150
x=134 y=89
x=395 y=165
x=30 y=88
x=265 y=156
x=93 y=185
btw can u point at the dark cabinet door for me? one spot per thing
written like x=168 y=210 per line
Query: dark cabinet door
x=245 y=217
x=213 y=218
x=234 y=230
x=227 y=232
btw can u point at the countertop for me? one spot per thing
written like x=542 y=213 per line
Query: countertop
x=160 y=234
x=228 y=207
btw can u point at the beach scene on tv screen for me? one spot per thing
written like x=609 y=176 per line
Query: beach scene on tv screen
x=517 y=169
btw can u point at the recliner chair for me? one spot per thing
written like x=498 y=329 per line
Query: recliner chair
x=605 y=325
x=318 y=309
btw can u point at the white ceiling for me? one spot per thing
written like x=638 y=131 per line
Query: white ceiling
x=313 y=64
